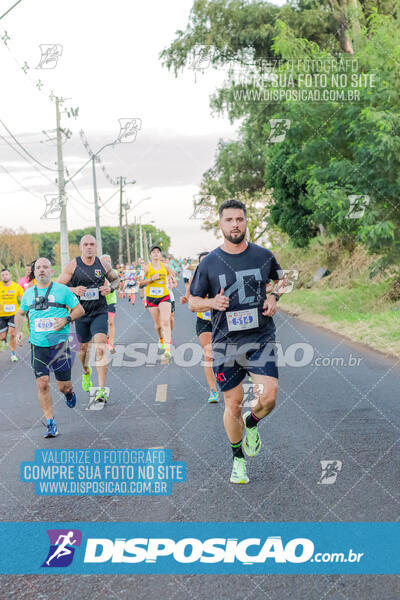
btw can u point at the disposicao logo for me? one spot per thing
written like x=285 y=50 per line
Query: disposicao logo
x=62 y=547
x=190 y=550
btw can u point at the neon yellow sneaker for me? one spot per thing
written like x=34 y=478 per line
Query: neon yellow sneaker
x=252 y=441
x=239 y=474
x=167 y=353
x=86 y=381
x=101 y=395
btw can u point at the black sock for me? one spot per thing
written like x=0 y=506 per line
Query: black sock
x=252 y=420
x=68 y=395
x=237 y=450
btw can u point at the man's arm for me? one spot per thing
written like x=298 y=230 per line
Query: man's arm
x=172 y=278
x=19 y=320
x=66 y=276
x=111 y=276
x=277 y=290
x=185 y=298
x=76 y=313
x=219 y=302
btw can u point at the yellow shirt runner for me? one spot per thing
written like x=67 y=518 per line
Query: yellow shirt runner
x=9 y=295
x=158 y=288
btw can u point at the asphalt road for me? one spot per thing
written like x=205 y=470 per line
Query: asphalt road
x=327 y=412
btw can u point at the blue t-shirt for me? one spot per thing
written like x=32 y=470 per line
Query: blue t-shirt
x=243 y=278
x=41 y=321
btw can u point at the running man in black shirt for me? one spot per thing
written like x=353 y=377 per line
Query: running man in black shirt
x=86 y=275
x=234 y=277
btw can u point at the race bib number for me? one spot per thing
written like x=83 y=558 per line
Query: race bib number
x=9 y=308
x=238 y=320
x=91 y=294
x=206 y=316
x=45 y=324
x=156 y=291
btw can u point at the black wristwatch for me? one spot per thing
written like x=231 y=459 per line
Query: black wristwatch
x=276 y=296
x=69 y=320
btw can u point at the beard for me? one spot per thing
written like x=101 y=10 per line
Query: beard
x=237 y=239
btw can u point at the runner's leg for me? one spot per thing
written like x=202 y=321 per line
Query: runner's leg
x=100 y=343
x=165 y=316
x=111 y=328
x=44 y=396
x=265 y=390
x=233 y=421
x=13 y=343
x=156 y=318
x=84 y=353
x=205 y=341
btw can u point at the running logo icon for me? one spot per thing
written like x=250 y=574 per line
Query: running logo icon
x=330 y=471
x=62 y=547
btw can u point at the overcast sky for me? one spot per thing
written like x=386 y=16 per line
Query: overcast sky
x=110 y=68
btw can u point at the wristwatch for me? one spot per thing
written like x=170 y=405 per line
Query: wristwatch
x=69 y=320
x=276 y=296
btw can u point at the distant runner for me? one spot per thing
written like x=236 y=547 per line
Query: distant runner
x=10 y=297
x=111 y=300
x=157 y=297
x=25 y=281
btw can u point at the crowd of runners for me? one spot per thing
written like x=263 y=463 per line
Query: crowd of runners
x=233 y=291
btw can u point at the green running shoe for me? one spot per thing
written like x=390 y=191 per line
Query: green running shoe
x=239 y=474
x=101 y=395
x=214 y=398
x=86 y=381
x=252 y=442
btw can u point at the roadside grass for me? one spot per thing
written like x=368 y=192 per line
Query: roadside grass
x=360 y=312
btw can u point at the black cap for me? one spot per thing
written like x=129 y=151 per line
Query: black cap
x=155 y=246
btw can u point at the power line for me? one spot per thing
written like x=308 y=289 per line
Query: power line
x=20 y=184
x=24 y=157
x=24 y=149
x=81 y=195
x=7 y=11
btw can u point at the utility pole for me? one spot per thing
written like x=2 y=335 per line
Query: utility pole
x=64 y=245
x=120 y=256
x=96 y=208
x=146 y=246
x=128 y=247
x=136 y=257
x=140 y=238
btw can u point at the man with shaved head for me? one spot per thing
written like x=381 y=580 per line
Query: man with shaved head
x=86 y=275
x=46 y=305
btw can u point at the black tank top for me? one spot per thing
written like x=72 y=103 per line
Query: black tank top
x=92 y=277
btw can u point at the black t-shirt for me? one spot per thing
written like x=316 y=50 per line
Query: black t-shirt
x=92 y=277
x=243 y=278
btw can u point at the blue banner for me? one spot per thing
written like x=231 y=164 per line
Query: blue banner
x=200 y=548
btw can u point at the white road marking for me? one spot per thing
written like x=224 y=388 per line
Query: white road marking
x=161 y=394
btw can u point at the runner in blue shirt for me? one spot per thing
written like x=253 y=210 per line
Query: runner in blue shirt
x=231 y=281
x=46 y=305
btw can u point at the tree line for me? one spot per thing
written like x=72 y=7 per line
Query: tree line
x=18 y=247
x=333 y=166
